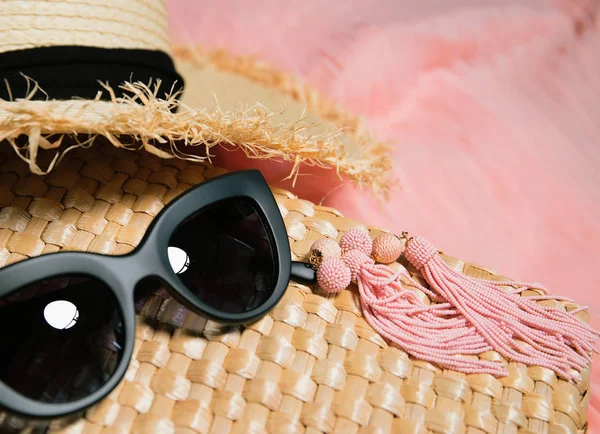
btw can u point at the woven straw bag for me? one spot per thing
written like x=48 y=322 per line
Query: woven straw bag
x=312 y=365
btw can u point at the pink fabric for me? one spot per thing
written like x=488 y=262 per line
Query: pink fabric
x=491 y=107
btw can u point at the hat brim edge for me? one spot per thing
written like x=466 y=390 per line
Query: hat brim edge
x=168 y=128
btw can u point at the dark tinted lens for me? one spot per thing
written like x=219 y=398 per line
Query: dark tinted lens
x=225 y=256
x=61 y=339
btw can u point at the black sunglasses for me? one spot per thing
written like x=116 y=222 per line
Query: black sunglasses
x=67 y=320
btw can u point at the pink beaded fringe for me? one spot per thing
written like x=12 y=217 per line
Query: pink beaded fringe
x=469 y=316
x=475 y=316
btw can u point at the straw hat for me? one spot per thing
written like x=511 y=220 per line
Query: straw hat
x=110 y=65
x=313 y=364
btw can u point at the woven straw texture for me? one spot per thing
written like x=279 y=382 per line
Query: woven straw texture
x=312 y=365
x=139 y=24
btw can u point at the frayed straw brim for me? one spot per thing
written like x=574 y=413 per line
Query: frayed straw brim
x=234 y=79
x=187 y=133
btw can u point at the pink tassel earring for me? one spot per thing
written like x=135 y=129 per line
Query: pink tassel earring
x=469 y=316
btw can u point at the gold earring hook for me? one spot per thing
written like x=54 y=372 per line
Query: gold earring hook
x=407 y=239
x=315 y=259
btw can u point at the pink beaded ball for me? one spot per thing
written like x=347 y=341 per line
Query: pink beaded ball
x=333 y=275
x=327 y=247
x=387 y=248
x=356 y=239
x=354 y=259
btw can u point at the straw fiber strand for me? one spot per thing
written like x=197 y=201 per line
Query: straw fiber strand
x=313 y=365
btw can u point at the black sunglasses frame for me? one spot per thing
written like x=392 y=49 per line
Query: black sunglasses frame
x=121 y=274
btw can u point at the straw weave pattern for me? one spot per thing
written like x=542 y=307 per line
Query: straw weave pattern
x=133 y=24
x=313 y=365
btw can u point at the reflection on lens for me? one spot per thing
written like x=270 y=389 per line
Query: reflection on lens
x=61 y=339
x=61 y=314
x=179 y=259
x=225 y=256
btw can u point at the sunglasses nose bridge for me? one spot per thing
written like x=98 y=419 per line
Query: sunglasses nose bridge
x=132 y=268
x=146 y=261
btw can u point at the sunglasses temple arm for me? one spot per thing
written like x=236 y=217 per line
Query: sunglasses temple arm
x=303 y=272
